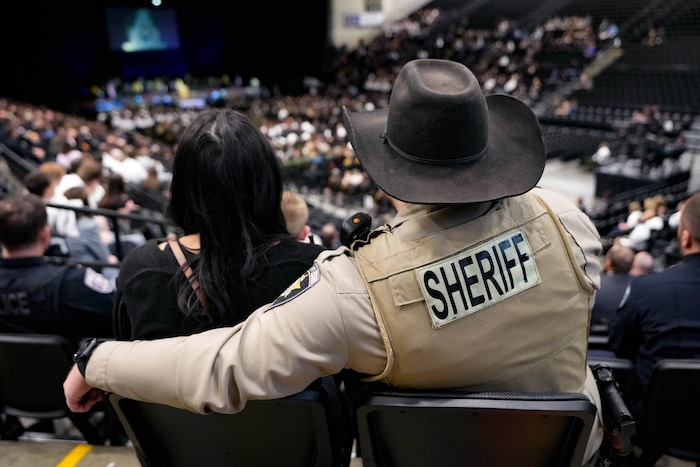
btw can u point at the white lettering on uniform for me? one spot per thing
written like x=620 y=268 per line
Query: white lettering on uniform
x=14 y=304
x=479 y=277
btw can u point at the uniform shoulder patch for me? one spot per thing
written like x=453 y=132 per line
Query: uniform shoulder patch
x=97 y=282
x=307 y=280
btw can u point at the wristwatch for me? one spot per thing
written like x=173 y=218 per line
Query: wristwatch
x=83 y=354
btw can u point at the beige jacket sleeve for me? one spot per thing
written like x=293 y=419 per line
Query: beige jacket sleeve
x=276 y=352
x=583 y=235
x=585 y=241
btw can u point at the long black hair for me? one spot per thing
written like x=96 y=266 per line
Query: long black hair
x=227 y=186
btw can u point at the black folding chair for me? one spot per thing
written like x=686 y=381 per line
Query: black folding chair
x=304 y=430
x=670 y=410
x=32 y=370
x=399 y=428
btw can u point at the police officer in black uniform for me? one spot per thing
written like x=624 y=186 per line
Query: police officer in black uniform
x=39 y=296
x=659 y=315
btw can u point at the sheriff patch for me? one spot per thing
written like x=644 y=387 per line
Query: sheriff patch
x=301 y=285
x=477 y=278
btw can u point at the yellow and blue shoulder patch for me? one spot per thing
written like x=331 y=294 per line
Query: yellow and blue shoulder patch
x=307 y=280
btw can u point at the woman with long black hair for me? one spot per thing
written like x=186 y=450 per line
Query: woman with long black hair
x=237 y=254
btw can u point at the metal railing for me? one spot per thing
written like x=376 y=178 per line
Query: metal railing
x=166 y=226
x=20 y=167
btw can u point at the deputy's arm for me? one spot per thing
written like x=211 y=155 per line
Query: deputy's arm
x=328 y=325
x=583 y=235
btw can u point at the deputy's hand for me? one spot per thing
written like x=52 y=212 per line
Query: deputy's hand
x=80 y=396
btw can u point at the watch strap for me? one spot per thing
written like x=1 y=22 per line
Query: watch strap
x=83 y=354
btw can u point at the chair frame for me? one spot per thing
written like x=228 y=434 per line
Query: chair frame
x=486 y=429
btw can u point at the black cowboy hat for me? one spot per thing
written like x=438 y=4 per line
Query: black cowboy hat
x=442 y=141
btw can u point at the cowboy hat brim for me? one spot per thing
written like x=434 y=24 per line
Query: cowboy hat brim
x=512 y=164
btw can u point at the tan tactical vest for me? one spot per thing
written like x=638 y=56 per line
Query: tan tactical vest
x=497 y=303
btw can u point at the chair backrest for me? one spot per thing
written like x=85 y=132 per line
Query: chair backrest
x=301 y=430
x=598 y=341
x=671 y=408
x=599 y=329
x=417 y=428
x=32 y=370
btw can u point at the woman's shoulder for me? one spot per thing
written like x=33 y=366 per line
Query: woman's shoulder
x=305 y=250
x=148 y=254
x=145 y=266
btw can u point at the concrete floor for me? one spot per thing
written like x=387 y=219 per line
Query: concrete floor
x=54 y=453
x=43 y=453
x=67 y=449
x=569 y=179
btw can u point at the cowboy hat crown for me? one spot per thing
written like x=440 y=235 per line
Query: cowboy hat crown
x=442 y=141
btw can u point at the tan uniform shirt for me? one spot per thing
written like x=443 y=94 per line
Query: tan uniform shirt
x=326 y=324
x=498 y=303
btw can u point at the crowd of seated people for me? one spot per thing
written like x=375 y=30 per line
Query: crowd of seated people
x=308 y=126
x=137 y=140
x=653 y=218
x=650 y=145
x=649 y=224
x=644 y=219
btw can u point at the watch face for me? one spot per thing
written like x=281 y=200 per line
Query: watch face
x=85 y=349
